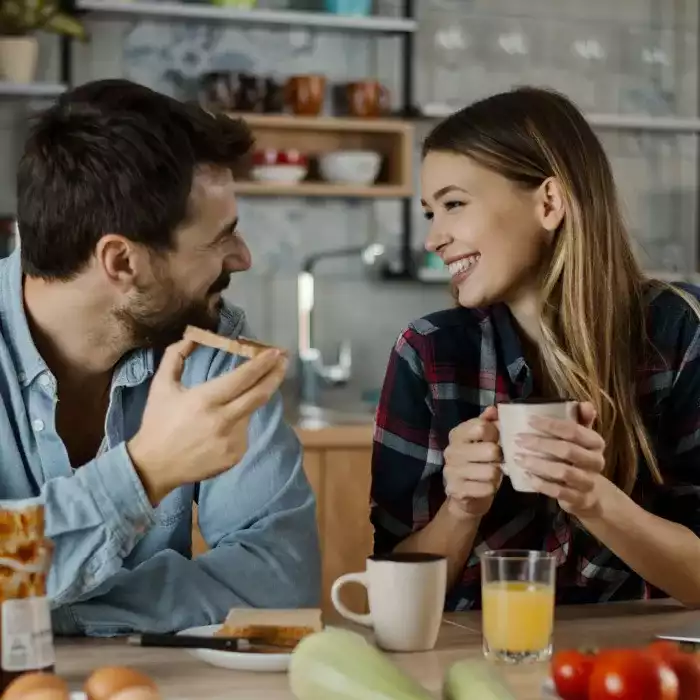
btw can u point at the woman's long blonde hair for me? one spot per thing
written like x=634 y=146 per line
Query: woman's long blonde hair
x=595 y=295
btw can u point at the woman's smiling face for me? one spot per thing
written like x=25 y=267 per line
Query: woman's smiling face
x=488 y=230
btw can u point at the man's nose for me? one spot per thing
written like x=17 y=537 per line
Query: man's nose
x=240 y=259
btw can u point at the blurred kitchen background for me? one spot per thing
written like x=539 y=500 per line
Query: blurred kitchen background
x=631 y=64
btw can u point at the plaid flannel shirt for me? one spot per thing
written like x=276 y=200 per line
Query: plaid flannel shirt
x=448 y=367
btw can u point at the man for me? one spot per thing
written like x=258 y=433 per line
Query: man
x=129 y=232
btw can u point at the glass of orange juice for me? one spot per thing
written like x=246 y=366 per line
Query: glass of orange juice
x=517 y=591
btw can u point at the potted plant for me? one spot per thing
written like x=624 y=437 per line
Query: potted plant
x=19 y=48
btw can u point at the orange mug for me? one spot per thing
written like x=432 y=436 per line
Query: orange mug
x=305 y=94
x=368 y=98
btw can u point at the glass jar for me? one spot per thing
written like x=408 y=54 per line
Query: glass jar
x=26 y=636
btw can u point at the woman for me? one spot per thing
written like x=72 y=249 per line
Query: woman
x=551 y=303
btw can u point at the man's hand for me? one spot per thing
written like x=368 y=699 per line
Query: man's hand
x=189 y=435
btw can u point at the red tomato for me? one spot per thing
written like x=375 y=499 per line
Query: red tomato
x=571 y=671
x=663 y=649
x=628 y=674
x=686 y=666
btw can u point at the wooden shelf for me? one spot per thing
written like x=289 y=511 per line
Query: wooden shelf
x=30 y=90
x=339 y=124
x=129 y=9
x=322 y=189
x=314 y=136
x=609 y=122
x=643 y=122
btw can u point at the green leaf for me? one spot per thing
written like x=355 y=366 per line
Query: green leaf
x=66 y=25
x=22 y=17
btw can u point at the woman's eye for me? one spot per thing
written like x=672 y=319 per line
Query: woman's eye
x=428 y=215
x=453 y=205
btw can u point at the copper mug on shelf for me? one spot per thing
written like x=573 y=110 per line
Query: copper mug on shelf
x=367 y=99
x=305 y=94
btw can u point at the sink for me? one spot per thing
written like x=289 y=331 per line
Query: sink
x=315 y=417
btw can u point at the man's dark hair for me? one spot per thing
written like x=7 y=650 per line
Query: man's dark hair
x=112 y=156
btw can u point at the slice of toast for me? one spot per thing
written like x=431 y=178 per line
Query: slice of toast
x=238 y=346
x=283 y=628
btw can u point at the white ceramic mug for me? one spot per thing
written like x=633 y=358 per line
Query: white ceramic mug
x=514 y=419
x=406 y=599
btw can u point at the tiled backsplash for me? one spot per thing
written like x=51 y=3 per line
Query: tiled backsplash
x=631 y=56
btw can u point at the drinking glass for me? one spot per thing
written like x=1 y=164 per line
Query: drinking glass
x=517 y=605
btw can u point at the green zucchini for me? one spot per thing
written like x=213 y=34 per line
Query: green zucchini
x=340 y=665
x=474 y=680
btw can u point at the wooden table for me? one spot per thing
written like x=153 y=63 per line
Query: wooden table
x=181 y=677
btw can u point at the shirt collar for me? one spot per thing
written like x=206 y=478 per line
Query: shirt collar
x=25 y=356
x=132 y=369
x=511 y=347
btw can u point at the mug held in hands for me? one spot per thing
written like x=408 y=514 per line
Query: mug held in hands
x=514 y=419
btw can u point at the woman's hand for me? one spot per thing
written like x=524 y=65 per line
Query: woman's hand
x=566 y=460
x=472 y=471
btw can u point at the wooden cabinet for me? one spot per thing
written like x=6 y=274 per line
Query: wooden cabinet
x=313 y=136
x=337 y=464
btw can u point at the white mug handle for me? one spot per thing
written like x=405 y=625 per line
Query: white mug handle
x=360 y=578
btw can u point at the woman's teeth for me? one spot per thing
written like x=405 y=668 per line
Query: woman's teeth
x=463 y=265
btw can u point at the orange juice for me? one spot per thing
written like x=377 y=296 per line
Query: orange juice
x=517 y=616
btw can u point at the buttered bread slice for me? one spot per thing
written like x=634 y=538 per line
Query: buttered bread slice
x=236 y=346
x=284 y=628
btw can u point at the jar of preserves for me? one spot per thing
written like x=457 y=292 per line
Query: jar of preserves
x=26 y=636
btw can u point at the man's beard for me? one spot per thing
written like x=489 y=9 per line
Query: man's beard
x=158 y=318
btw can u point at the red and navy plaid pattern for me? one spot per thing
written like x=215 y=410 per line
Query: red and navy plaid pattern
x=448 y=367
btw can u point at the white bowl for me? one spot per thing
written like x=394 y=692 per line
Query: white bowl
x=350 y=167
x=287 y=174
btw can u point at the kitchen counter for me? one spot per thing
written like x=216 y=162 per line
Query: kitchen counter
x=338 y=465
x=181 y=676
x=337 y=424
x=336 y=436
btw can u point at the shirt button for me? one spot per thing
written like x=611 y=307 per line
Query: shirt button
x=38 y=425
x=44 y=380
x=21 y=377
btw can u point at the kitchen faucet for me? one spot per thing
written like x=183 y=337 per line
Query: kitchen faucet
x=313 y=372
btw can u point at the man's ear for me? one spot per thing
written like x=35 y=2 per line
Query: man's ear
x=121 y=260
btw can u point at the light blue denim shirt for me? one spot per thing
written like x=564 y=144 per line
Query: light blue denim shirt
x=120 y=565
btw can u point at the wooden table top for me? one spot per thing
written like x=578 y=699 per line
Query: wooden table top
x=181 y=677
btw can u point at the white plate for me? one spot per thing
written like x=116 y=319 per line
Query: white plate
x=78 y=696
x=237 y=660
